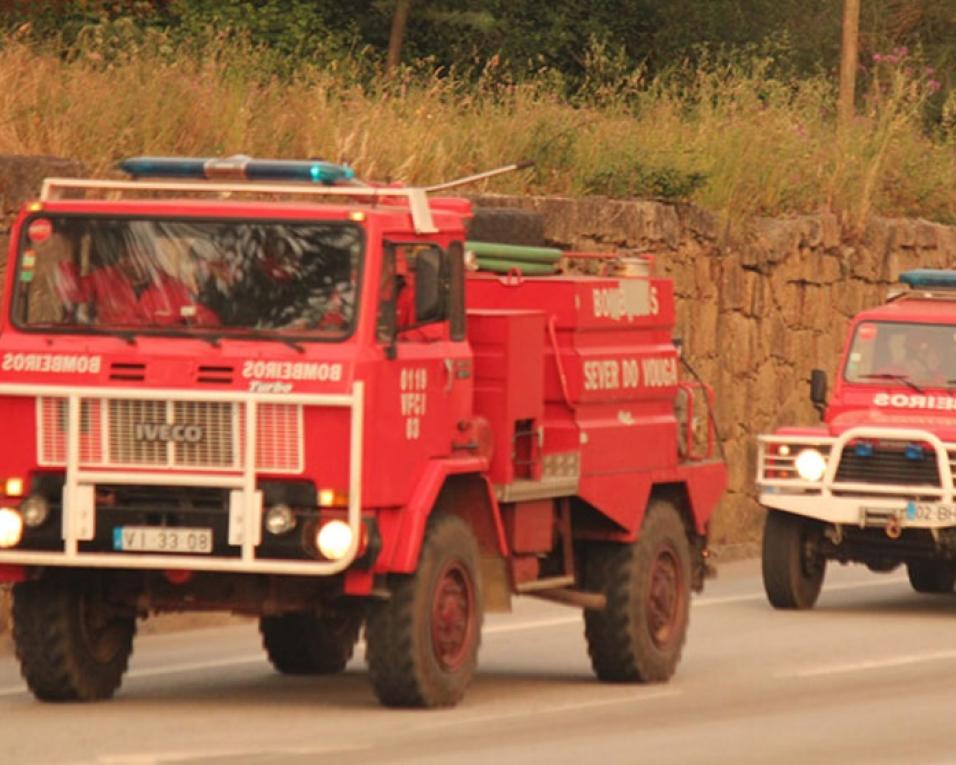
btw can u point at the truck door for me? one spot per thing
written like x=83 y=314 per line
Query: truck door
x=427 y=386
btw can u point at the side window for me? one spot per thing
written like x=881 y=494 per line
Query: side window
x=414 y=292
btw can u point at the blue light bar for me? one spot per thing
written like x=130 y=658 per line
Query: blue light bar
x=239 y=167
x=928 y=277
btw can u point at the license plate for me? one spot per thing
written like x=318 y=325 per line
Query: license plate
x=160 y=539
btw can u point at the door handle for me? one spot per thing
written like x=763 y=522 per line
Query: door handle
x=449 y=375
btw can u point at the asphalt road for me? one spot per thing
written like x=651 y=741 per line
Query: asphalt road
x=869 y=676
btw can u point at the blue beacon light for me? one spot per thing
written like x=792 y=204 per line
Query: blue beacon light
x=928 y=277
x=237 y=168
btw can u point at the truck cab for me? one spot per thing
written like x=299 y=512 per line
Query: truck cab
x=265 y=387
x=874 y=483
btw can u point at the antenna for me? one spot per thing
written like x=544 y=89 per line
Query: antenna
x=480 y=176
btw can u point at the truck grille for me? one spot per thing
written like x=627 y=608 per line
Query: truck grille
x=161 y=434
x=889 y=464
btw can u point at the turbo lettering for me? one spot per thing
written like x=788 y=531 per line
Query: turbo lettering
x=51 y=363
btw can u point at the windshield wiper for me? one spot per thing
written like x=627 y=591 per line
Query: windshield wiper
x=266 y=335
x=893 y=376
x=209 y=337
x=123 y=334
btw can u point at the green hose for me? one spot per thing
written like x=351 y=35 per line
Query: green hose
x=501 y=266
x=549 y=255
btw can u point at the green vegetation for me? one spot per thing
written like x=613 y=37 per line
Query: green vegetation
x=743 y=133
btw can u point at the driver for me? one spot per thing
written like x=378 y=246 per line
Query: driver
x=135 y=292
x=924 y=359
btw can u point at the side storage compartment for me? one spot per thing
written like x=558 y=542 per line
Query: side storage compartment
x=509 y=352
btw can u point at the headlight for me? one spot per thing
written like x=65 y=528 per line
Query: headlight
x=280 y=519
x=11 y=527
x=34 y=510
x=811 y=465
x=334 y=539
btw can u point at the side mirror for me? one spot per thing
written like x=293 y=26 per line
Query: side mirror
x=818 y=390
x=429 y=286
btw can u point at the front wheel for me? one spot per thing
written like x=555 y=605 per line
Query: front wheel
x=793 y=569
x=422 y=643
x=640 y=634
x=934 y=577
x=72 y=642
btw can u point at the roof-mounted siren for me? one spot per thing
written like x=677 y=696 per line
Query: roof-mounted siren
x=238 y=168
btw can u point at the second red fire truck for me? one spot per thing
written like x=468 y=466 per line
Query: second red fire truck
x=874 y=483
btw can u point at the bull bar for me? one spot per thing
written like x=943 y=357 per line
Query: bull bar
x=245 y=511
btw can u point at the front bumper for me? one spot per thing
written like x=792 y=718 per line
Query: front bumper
x=860 y=496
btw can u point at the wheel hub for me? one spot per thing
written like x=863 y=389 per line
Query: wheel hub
x=453 y=617
x=664 y=597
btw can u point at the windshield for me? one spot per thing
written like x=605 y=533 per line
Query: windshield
x=127 y=274
x=923 y=355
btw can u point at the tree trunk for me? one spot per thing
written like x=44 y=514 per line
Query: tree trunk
x=399 y=22
x=848 y=61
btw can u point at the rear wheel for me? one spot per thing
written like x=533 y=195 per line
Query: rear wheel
x=932 y=576
x=72 y=642
x=309 y=644
x=422 y=643
x=793 y=569
x=639 y=636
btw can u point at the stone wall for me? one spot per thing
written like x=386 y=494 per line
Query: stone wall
x=757 y=314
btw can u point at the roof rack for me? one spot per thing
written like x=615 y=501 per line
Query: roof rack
x=417 y=197
x=240 y=174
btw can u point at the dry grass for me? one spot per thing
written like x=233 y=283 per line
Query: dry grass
x=731 y=139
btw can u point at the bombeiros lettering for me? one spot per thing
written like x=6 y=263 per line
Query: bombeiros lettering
x=915 y=401
x=629 y=300
x=161 y=431
x=51 y=363
x=321 y=371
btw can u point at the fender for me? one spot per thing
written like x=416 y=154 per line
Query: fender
x=410 y=528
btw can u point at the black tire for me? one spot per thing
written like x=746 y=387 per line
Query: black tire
x=792 y=571
x=72 y=643
x=308 y=644
x=507 y=225
x=935 y=577
x=422 y=643
x=639 y=636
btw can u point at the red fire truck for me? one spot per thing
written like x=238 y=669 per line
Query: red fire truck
x=267 y=388
x=874 y=483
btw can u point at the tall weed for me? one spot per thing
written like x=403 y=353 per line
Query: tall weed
x=732 y=137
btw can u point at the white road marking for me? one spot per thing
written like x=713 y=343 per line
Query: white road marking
x=494 y=629
x=513 y=714
x=704 y=602
x=868 y=664
x=160 y=758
